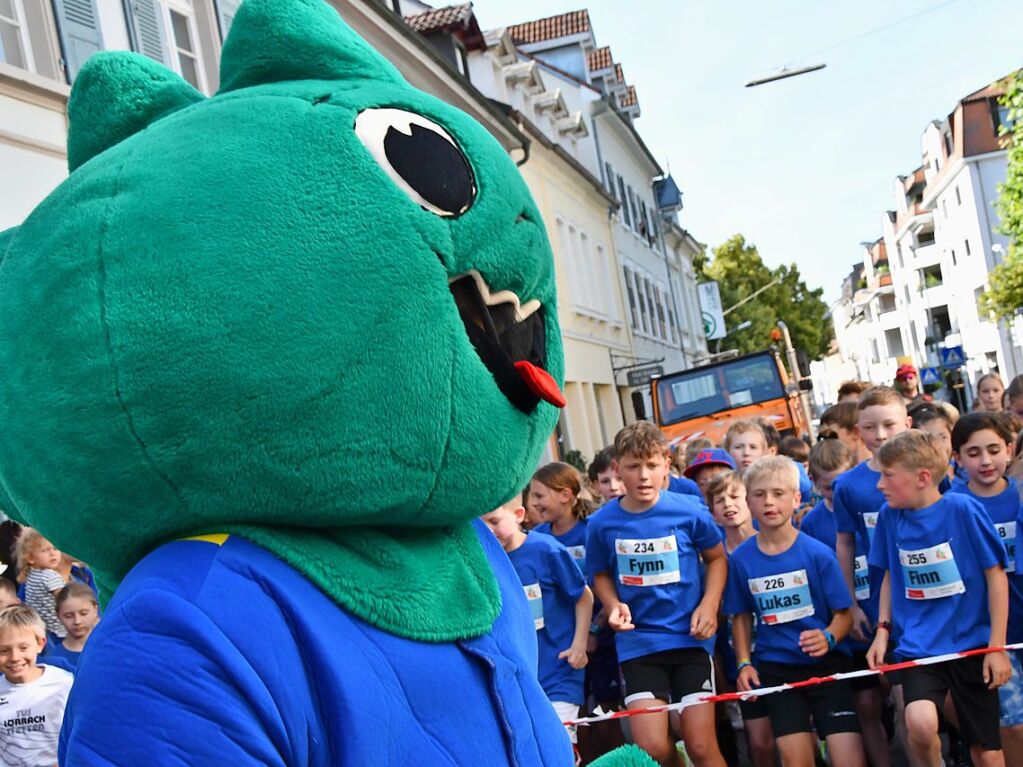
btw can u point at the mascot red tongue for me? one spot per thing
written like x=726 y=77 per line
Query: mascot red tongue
x=236 y=383
x=540 y=382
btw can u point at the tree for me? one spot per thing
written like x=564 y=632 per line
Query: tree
x=1005 y=288
x=739 y=271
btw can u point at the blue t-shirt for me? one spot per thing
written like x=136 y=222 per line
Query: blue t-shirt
x=553 y=584
x=56 y=650
x=857 y=503
x=819 y=523
x=235 y=658
x=574 y=540
x=936 y=557
x=653 y=559
x=1004 y=510
x=684 y=486
x=795 y=591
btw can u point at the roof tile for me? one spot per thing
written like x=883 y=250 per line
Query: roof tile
x=628 y=99
x=599 y=59
x=551 y=28
x=438 y=18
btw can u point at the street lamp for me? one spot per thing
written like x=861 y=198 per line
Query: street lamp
x=741 y=326
x=783 y=73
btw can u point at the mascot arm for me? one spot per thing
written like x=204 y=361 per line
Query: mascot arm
x=187 y=696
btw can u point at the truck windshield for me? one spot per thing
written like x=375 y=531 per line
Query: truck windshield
x=720 y=387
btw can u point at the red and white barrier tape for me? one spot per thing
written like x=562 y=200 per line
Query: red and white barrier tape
x=697 y=698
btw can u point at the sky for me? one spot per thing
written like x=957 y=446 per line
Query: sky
x=804 y=168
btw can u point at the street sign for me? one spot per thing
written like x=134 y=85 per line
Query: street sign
x=929 y=376
x=952 y=357
x=711 y=311
x=642 y=376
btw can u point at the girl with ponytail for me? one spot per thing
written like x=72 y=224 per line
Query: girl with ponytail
x=555 y=491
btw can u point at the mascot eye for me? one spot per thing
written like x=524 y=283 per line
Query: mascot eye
x=420 y=157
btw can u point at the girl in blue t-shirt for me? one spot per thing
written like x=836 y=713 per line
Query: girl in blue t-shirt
x=554 y=492
x=78 y=610
x=560 y=602
x=983 y=447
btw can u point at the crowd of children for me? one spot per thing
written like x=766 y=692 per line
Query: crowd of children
x=766 y=561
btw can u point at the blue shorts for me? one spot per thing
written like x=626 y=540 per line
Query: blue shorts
x=1010 y=694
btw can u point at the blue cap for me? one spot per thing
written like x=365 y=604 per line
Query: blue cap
x=715 y=456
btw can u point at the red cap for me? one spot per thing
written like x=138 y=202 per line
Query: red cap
x=905 y=370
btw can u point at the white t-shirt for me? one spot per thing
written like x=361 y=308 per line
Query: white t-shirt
x=30 y=718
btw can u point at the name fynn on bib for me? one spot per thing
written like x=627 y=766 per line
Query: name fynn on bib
x=647 y=561
x=861 y=578
x=535 y=599
x=1007 y=532
x=930 y=573
x=782 y=598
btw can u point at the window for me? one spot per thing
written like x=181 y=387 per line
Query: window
x=875 y=357
x=893 y=339
x=940 y=323
x=609 y=180
x=624 y=201
x=886 y=303
x=662 y=317
x=672 y=323
x=966 y=244
x=925 y=238
x=181 y=41
x=931 y=277
x=944 y=208
x=12 y=43
x=650 y=290
x=631 y=295
x=630 y=206
x=959 y=197
x=1002 y=120
x=706 y=391
x=954 y=262
x=643 y=226
x=641 y=292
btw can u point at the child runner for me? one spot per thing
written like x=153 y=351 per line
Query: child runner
x=727 y=496
x=990 y=391
x=34 y=695
x=945 y=591
x=829 y=460
x=78 y=610
x=554 y=491
x=938 y=422
x=796 y=449
x=745 y=442
x=696 y=446
x=603 y=477
x=561 y=604
x=38 y=561
x=1014 y=396
x=839 y=421
x=983 y=447
x=792 y=584
x=706 y=465
x=644 y=553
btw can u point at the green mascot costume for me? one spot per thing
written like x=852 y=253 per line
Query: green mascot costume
x=266 y=356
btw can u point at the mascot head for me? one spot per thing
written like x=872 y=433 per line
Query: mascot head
x=320 y=299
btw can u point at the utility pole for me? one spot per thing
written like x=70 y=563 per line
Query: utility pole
x=790 y=352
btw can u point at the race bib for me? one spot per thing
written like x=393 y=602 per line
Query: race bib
x=535 y=598
x=578 y=553
x=647 y=561
x=930 y=573
x=1007 y=532
x=870 y=522
x=782 y=598
x=861 y=578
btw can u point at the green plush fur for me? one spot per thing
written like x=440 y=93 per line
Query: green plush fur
x=229 y=319
x=626 y=756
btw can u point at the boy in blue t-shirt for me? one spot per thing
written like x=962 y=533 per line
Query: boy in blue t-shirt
x=983 y=448
x=561 y=605
x=643 y=552
x=944 y=589
x=792 y=583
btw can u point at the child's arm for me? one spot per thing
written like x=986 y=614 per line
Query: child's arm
x=815 y=642
x=997 y=668
x=845 y=550
x=619 y=617
x=705 y=617
x=879 y=647
x=576 y=654
x=742 y=638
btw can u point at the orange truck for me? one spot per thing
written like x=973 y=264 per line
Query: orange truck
x=704 y=401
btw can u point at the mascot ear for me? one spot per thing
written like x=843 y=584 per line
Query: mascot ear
x=117 y=94
x=281 y=40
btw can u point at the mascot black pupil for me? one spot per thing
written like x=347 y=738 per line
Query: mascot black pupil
x=434 y=167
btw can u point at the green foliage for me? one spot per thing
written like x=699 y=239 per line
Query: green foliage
x=739 y=271
x=576 y=459
x=1005 y=291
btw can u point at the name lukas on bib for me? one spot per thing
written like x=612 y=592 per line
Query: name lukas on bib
x=782 y=598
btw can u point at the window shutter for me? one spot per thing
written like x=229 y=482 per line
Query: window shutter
x=147 y=23
x=79 y=32
x=226 y=9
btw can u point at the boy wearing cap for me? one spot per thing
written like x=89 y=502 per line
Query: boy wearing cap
x=707 y=465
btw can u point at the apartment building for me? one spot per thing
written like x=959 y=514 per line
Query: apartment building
x=917 y=288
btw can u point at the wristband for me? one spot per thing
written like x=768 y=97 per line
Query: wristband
x=594 y=628
x=831 y=640
x=886 y=625
x=742 y=664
